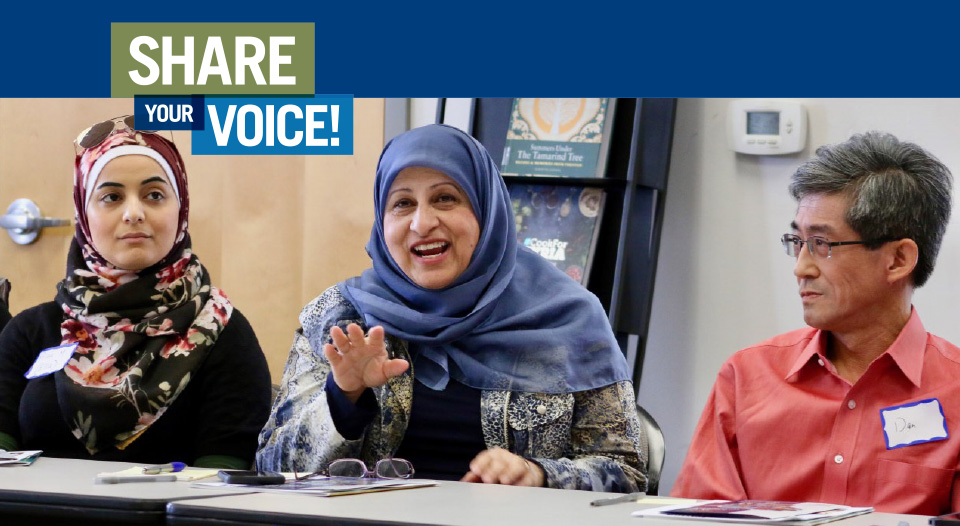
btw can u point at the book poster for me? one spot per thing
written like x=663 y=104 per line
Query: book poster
x=560 y=223
x=556 y=137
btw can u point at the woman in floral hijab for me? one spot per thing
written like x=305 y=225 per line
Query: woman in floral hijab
x=157 y=365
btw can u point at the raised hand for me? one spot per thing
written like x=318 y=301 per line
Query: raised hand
x=358 y=361
x=499 y=466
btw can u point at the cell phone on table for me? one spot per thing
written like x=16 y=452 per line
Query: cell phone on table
x=950 y=519
x=231 y=476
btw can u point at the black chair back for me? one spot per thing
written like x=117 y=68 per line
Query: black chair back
x=656 y=450
x=4 y=301
x=4 y=291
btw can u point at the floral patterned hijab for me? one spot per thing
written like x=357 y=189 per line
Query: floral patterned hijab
x=140 y=335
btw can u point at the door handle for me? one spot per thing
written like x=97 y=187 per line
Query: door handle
x=23 y=221
x=12 y=222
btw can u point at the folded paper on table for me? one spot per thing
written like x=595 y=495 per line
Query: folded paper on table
x=326 y=486
x=18 y=458
x=673 y=501
x=756 y=511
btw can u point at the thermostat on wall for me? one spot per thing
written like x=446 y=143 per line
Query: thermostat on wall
x=766 y=127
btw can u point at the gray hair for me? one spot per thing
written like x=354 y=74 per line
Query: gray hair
x=898 y=191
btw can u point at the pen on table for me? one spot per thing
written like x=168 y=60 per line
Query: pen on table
x=120 y=479
x=172 y=467
x=629 y=497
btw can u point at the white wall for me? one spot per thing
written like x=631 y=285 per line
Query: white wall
x=422 y=112
x=723 y=282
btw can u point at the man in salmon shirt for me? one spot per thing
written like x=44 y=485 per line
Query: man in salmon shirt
x=862 y=407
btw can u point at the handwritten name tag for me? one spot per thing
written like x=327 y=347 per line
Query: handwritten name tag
x=51 y=360
x=914 y=423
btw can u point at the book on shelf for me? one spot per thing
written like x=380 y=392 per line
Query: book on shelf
x=756 y=511
x=558 y=137
x=560 y=223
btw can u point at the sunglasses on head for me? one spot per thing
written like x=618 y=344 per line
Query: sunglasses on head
x=97 y=133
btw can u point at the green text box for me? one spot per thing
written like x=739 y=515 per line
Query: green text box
x=206 y=50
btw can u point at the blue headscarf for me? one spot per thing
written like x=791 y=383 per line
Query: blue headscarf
x=511 y=320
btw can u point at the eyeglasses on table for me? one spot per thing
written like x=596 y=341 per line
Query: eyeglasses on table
x=387 y=468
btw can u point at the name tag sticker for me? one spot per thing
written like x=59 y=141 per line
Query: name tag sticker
x=51 y=360
x=914 y=423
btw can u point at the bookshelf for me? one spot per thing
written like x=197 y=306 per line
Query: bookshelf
x=625 y=258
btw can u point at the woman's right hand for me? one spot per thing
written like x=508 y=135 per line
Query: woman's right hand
x=359 y=361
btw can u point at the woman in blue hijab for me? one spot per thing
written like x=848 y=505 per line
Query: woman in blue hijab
x=461 y=351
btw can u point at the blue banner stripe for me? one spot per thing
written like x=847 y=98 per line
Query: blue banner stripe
x=597 y=49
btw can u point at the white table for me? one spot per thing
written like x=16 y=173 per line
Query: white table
x=63 y=492
x=450 y=503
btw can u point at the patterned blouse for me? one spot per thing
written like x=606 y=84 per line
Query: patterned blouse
x=588 y=440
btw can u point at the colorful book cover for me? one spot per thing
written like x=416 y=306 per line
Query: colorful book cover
x=560 y=223
x=558 y=137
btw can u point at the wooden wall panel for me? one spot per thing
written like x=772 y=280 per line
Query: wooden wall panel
x=262 y=247
x=338 y=205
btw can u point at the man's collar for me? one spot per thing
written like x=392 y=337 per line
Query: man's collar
x=906 y=351
x=815 y=348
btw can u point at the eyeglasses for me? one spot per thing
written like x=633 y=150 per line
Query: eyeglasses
x=97 y=133
x=388 y=468
x=819 y=246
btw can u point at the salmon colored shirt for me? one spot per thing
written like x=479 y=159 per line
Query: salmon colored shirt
x=780 y=424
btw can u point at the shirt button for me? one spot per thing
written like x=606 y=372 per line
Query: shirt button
x=820 y=361
x=852 y=404
x=838 y=459
x=541 y=409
